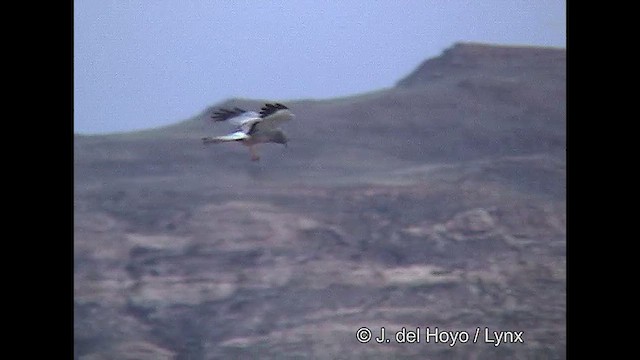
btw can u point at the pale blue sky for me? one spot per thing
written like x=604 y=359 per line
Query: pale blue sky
x=144 y=64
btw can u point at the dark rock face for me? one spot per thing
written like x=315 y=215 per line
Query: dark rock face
x=439 y=203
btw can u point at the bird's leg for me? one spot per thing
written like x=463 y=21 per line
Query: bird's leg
x=254 y=154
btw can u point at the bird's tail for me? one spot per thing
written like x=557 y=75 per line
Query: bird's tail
x=211 y=140
x=236 y=136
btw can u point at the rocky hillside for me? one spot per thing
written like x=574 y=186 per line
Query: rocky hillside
x=439 y=202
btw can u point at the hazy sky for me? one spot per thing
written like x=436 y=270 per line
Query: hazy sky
x=143 y=64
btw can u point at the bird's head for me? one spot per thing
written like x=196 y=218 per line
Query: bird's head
x=280 y=138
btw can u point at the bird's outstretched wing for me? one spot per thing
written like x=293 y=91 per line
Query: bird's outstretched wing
x=269 y=109
x=238 y=135
x=223 y=114
x=237 y=116
x=272 y=115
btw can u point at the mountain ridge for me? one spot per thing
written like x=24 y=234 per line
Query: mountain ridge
x=461 y=55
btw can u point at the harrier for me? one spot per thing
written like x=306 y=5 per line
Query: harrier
x=253 y=128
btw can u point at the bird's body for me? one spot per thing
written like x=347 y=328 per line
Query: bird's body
x=253 y=128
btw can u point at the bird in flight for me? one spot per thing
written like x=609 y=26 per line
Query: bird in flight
x=253 y=128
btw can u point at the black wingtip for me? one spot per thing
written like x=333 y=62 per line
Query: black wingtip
x=269 y=109
x=223 y=114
